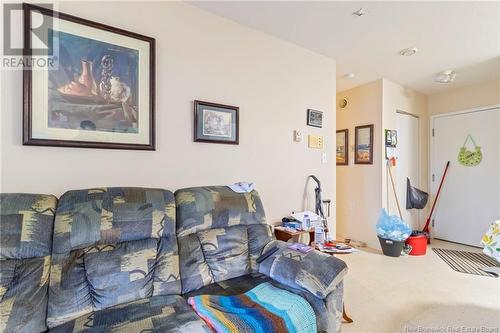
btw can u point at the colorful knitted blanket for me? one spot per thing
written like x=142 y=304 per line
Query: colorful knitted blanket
x=264 y=309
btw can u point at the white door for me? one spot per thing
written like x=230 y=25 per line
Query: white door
x=470 y=199
x=407 y=166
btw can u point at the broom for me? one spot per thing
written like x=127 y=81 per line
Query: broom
x=426 y=227
x=389 y=161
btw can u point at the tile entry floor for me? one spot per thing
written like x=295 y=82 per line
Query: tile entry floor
x=418 y=294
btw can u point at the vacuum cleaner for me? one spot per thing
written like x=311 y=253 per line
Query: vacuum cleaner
x=318 y=200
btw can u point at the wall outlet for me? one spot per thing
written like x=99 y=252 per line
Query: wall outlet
x=323 y=158
x=315 y=141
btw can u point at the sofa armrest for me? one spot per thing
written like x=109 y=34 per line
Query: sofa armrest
x=316 y=272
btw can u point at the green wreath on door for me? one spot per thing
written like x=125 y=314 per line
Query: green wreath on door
x=467 y=157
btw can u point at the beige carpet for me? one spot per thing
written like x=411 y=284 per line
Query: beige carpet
x=418 y=294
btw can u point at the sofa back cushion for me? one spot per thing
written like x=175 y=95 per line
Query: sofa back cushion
x=26 y=224
x=220 y=234
x=111 y=246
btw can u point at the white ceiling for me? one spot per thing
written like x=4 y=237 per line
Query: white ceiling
x=464 y=36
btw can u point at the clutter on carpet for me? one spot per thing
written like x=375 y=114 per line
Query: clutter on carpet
x=392 y=227
x=300 y=247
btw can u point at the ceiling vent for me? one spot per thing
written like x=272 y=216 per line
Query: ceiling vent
x=447 y=76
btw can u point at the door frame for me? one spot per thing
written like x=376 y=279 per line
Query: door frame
x=431 y=139
x=419 y=141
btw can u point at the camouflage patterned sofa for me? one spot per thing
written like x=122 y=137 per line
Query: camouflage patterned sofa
x=221 y=234
x=125 y=260
x=115 y=264
x=26 y=222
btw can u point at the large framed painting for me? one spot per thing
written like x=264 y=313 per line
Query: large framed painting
x=342 y=149
x=216 y=123
x=363 y=136
x=99 y=91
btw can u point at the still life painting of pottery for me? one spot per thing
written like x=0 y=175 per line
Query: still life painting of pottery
x=99 y=91
x=95 y=86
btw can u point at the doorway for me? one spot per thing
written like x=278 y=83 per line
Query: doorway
x=470 y=199
x=408 y=163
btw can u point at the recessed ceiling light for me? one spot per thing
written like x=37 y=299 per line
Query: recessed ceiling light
x=360 y=12
x=349 y=76
x=447 y=76
x=409 y=51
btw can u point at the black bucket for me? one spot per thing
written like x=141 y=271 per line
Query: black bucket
x=391 y=247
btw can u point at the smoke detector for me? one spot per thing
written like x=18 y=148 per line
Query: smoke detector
x=409 y=51
x=349 y=76
x=447 y=76
x=360 y=12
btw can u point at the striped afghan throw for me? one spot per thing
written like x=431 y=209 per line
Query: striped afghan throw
x=264 y=309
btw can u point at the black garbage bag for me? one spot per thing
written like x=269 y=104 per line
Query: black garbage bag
x=415 y=198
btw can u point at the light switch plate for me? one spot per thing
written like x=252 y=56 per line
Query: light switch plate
x=315 y=141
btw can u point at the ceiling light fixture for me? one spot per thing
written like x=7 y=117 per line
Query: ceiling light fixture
x=360 y=12
x=409 y=51
x=349 y=76
x=447 y=76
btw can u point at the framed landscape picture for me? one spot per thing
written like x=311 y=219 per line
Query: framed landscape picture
x=99 y=91
x=363 y=136
x=314 y=118
x=342 y=149
x=216 y=123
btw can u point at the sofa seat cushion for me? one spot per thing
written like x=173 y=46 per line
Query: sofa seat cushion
x=244 y=283
x=156 y=314
x=235 y=286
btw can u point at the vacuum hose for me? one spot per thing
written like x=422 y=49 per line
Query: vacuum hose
x=319 y=201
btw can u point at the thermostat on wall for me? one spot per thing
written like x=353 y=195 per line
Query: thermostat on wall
x=343 y=103
x=297 y=136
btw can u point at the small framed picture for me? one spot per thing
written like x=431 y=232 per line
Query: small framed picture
x=391 y=138
x=314 y=118
x=342 y=150
x=363 y=146
x=216 y=123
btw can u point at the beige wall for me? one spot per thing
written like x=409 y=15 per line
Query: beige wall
x=362 y=189
x=464 y=98
x=199 y=56
x=359 y=194
x=398 y=98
